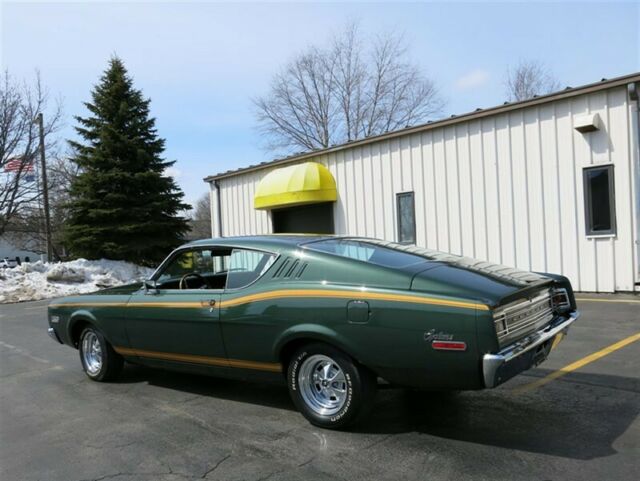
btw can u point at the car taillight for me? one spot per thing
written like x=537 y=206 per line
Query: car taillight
x=449 y=345
x=560 y=300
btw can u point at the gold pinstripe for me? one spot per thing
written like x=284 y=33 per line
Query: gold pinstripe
x=295 y=293
x=210 y=361
x=87 y=304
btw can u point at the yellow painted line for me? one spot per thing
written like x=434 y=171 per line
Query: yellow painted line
x=211 y=361
x=595 y=299
x=295 y=293
x=578 y=364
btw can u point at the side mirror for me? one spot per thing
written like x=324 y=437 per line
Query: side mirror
x=150 y=286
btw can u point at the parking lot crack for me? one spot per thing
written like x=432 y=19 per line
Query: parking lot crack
x=270 y=475
x=215 y=466
x=114 y=446
x=308 y=461
x=132 y=473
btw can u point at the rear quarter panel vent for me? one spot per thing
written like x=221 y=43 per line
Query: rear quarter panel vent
x=290 y=269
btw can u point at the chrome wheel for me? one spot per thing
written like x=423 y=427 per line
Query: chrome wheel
x=322 y=384
x=92 y=353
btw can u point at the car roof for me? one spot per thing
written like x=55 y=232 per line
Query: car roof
x=269 y=241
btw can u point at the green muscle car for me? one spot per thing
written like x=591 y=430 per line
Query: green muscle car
x=328 y=315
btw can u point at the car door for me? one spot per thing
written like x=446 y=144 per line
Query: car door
x=248 y=326
x=179 y=320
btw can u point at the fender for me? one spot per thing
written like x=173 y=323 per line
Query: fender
x=317 y=332
x=81 y=315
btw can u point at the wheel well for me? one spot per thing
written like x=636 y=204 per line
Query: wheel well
x=76 y=330
x=287 y=351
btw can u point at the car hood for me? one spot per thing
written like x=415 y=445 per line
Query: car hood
x=119 y=290
x=488 y=283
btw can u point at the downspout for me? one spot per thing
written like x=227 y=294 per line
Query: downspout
x=216 y=183
x=215 y=211
x=634 y=96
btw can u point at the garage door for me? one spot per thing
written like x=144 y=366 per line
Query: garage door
x=305 y=219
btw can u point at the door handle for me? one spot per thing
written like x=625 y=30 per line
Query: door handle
x=211 y=303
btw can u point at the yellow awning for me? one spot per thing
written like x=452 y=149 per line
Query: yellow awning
x=299 y=184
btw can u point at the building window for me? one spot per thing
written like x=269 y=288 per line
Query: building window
x=406 y=218
x=599 y=200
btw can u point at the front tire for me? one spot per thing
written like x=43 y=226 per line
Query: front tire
x=328 y=387
x=99 y=361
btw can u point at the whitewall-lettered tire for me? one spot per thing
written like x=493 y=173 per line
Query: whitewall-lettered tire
x=328 y=387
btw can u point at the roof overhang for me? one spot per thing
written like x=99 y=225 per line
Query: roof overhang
x=299 y=184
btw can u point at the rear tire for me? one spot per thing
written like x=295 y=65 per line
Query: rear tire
x=99 y=361
x=328 y=387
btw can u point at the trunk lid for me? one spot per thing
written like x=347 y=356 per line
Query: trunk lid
x=489 y=283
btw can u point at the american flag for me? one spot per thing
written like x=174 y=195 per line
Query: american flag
x=16 y=164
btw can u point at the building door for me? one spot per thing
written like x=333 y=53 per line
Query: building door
x=304 y=219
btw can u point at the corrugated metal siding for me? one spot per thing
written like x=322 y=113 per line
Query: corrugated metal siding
x=506 y=188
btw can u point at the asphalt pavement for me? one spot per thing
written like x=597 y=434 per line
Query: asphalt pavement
x=56 y=424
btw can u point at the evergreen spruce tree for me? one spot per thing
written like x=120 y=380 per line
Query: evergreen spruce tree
x=123 y=205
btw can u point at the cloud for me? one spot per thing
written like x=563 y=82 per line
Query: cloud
x=473 y=79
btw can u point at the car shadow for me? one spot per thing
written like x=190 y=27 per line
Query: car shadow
x=574 y=418
x=263 y=394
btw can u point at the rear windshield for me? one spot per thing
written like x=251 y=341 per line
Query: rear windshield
x=366 y=252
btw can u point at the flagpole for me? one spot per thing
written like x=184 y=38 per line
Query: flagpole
x=45 y=188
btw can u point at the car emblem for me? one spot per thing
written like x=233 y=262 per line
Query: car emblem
x=443 y=341
x=432 y=335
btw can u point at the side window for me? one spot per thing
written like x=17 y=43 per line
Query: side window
x=599 y=200
x=207 y=266
x=406 y=218
x=245 y=266
x=367 y=252
x=358 y=250
x=185 y=262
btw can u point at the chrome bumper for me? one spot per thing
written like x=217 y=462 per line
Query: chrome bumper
x=53 y=335
x=520 y=356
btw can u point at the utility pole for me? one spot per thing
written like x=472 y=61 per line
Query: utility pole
x=45 y=188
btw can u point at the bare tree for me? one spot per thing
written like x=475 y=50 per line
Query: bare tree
x=350 y=90
x=200 y=221
x=19 y=105
x=528 y=79
x=25 y=230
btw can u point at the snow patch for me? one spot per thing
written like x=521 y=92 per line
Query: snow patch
x=32 y=281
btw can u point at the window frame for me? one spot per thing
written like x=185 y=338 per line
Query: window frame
x=587 y=198
x=176 y=252
x=399 y=195
x=275 y=256
x=361 y=240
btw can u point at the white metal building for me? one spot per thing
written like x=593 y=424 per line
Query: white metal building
x=550 y=184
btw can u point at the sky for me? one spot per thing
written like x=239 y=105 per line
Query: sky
x=201 y=63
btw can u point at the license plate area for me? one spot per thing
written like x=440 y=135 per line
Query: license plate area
x=541 y=353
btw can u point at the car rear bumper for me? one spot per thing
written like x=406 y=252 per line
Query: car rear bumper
x=524 y=354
